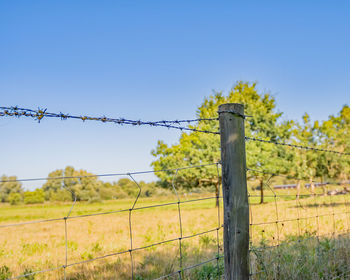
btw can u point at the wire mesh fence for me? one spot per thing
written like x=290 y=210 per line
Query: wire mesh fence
x=130 y=244
x=299 y=234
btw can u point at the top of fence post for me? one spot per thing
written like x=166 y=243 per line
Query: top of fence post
x=235 y=195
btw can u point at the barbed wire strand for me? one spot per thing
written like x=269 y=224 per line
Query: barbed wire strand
x=40 y=114
x=296 y=146
x=173 y=124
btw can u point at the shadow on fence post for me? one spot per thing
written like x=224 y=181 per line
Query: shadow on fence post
x=234 y=188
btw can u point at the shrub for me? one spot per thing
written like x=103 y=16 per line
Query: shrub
x=107 y=193
x=14 y=198
x=119 y=193
x=94 y=199
x=33 y=197
x=61 y=195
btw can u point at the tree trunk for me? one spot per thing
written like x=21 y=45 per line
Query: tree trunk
x=217 y=187
x=261 y=191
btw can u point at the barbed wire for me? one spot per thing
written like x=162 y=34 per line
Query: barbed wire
x=296 y=146
x=281 y=143
x=40 y=114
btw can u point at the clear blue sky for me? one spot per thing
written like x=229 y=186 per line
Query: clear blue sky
x=155 y=60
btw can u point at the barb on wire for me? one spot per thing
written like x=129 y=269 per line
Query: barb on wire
x=235 y=113
x=42 y=113
x=296 y=146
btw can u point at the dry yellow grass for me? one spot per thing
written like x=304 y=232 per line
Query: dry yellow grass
x=42 y=246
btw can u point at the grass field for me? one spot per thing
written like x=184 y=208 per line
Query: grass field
x=312 y=240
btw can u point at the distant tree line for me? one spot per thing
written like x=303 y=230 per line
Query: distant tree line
x=82 y=188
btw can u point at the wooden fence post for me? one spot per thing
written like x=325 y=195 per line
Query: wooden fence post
x=234 y=188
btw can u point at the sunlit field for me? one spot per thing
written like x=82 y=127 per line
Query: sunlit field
x=307 y=224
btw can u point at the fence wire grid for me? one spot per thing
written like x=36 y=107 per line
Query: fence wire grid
x=181 y=237
x=295 y=222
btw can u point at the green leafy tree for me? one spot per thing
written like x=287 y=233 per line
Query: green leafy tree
x=335 y=134
x=305 y=162
x=199 y=148
x=6 y=188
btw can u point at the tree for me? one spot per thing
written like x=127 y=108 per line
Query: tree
x=305 y=162
x=80 y=184
x=199 y=148
x=335 y=135
x=11 y=186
